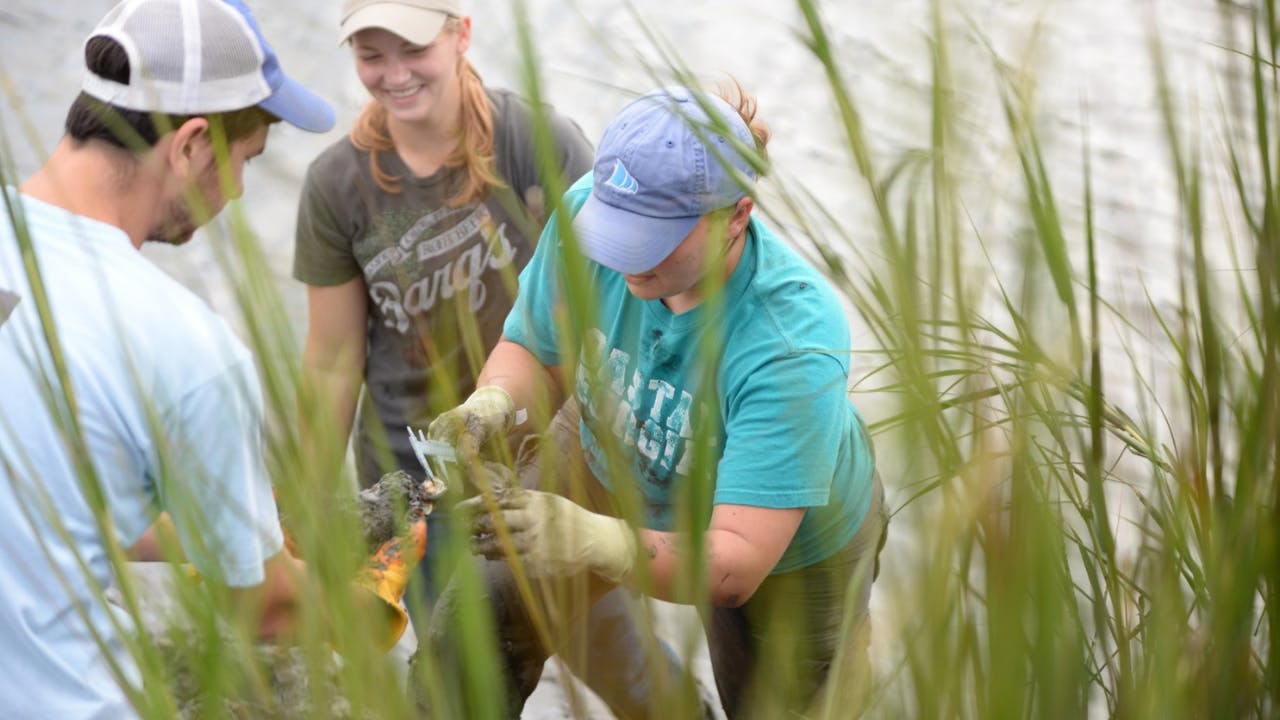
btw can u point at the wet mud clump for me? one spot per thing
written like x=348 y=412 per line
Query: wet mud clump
x=384 y=510
x=287 y=696
x=395 y=502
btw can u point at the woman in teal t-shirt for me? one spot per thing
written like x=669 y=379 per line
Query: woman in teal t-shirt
x=682 y=277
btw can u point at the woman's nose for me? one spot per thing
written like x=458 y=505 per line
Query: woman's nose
x=397 y=71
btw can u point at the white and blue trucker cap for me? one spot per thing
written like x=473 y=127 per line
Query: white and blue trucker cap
x=662 y=164
x=196 y=57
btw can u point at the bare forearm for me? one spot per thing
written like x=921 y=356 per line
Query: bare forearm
x=327 y=405
x=272 y=606
x=531 y=385
x=742 y=545
x=333 y=362
x=731 y=576
x=272 y=609
x=158 y=543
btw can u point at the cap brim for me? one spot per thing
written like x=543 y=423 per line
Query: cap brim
x=624 y=241
x=416 y=25
x=298 y=106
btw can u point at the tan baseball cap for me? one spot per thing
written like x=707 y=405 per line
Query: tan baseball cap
x=418 y=21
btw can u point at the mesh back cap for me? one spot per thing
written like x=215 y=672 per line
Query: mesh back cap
x=196 y=57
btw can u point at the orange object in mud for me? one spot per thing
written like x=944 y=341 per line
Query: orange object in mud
x=388 y=573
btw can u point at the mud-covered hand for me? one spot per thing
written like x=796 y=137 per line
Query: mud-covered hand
x=489 y=412
x=387 y=573
x=554 y=536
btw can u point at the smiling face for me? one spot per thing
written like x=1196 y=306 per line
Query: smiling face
x=414 y=83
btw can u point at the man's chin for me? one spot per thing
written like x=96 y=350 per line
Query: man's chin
x=174 y=238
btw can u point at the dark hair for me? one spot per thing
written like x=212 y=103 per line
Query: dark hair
x=91 y=119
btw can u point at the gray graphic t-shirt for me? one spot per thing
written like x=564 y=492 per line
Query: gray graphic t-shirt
x=440 y=279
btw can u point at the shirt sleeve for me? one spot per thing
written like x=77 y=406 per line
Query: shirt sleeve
x=530 y=323
x=213 y=480
x=576 y=153
x=322 y=253
x=533 y=317
x=783 y=433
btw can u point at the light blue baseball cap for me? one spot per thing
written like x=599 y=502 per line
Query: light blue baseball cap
x=662 y=164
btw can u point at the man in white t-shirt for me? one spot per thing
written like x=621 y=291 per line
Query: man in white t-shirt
x=123 y=394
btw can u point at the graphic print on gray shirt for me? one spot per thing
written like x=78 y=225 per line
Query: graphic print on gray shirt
x=440 y=280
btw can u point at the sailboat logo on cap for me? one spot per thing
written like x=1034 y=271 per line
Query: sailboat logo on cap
x=622 y=180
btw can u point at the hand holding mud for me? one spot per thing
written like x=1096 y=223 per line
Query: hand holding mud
x=488 y=413
x=553 y=536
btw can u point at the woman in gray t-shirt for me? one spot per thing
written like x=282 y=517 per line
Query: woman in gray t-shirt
x=411 y=232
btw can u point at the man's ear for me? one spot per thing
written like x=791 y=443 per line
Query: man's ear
x=190 y=148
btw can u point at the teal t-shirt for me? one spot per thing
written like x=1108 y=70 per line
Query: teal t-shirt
x=785 y=433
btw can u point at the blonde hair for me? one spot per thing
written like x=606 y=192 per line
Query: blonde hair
x=474 y=150
x=746 y=106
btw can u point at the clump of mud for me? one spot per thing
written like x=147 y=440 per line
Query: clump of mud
x=287 y=695
x=384 y=511
x=381 y=511
x=395 y=502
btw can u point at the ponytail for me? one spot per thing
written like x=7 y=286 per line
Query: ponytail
x=746 y=106
x=474 y=150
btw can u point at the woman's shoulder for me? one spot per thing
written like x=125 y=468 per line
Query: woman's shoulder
x=513 y=118
x=341 y=150
x=507 y=103
x=803 y=309
x=513 y=114
x=339 y=161
x=783 y=274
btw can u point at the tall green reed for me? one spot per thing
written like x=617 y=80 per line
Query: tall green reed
x=1032 y=602
x=1059 y=557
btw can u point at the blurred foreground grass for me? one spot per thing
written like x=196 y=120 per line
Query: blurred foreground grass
x=1064 y=552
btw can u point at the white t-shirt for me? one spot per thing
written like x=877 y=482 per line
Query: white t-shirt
x=169 y=410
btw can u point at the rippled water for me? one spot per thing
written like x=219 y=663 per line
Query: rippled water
x=1089 y=59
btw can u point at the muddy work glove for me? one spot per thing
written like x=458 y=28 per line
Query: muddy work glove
x=489 y=413
x=553 y=536
x=387 y=573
